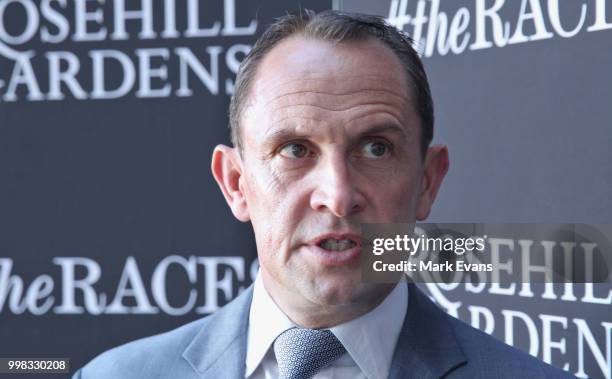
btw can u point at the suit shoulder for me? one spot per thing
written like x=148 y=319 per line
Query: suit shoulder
x=486 y=353
x=146 y=357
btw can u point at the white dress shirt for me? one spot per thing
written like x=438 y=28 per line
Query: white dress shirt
x=369 y=340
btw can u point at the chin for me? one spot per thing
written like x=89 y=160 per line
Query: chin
x=346 y=292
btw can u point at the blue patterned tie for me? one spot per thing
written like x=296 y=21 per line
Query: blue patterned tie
x=301 y=353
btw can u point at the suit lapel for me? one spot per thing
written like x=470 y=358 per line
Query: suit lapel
x=426 y=347
x=219 y=349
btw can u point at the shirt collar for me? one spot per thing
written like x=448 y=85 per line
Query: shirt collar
x=369 y=339
x=266 y=322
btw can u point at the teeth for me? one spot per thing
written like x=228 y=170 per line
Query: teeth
x=337 y=245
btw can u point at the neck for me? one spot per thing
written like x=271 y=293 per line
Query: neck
x=313 y=315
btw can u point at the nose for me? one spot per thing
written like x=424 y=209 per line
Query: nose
x=336 y=190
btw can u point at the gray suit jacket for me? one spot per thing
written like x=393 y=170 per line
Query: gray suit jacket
x=431 y=344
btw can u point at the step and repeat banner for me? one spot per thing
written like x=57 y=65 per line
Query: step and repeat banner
x=111 y=225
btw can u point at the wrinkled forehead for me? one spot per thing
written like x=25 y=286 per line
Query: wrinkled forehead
x=302 y=65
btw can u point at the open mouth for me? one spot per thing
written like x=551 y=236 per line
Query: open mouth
x=333 y=244
x=337 y=249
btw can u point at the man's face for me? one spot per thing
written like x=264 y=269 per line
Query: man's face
x=330 y=140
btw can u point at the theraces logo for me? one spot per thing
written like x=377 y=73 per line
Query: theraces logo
x=485 y=24
x=54 y=50
x=81 y=285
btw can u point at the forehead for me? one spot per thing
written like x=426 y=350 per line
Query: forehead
x=310 y=63
x=302 y=79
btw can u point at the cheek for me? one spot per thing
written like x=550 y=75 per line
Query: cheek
x=276 y=191
x=276 y=207
x=396 y=200
x=261 y=191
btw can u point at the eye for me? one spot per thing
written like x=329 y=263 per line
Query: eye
x=295 y=151
x=375 y=149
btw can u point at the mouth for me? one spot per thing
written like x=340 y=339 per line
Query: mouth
x=334 y=244
x=336 y=249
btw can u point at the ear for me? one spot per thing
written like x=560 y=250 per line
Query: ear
x=434 y=170
x=226 y=167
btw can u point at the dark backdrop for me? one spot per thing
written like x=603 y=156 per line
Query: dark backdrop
x=112 y=228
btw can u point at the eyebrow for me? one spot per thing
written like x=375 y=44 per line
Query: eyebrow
x=385 y=128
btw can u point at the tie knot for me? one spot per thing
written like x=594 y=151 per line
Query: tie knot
x=301 y=353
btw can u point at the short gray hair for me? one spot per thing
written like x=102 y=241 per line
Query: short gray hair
x=335 y=26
